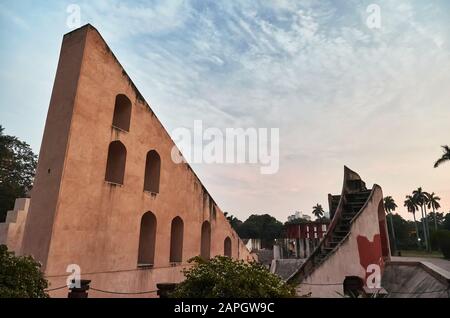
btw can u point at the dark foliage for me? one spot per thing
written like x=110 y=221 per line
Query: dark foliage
x=17 y=169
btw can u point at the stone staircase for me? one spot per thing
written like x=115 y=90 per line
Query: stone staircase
x=343 y=209
x=354 y=203
x=11 y=231
x=333 y=201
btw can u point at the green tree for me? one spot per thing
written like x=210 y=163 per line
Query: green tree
x=440 y=218
x=234 y=221
x=318 y=211
x=420 y=197
x=390 y=206
x=411 y=206
x=264 y=227
x=446 y=222
x=223 y=277
x=443 y=242
x=445 y=156
x=20 y=277
x=17 y=169
x=433 y=203
x=403 y=232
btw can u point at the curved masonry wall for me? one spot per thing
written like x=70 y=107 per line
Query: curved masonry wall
x=362 y=246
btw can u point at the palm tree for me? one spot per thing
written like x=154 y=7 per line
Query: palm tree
x=389 y=206
x=445 y=157
x=318 y=211
x=434 y=204
x=412 y=208
x=421 y=198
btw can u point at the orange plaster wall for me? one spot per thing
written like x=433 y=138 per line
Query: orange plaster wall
x=75 y=216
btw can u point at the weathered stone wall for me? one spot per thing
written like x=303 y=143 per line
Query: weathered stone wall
x=414 y=279
x=362 y=246
x=12 y=230
x=78 y=218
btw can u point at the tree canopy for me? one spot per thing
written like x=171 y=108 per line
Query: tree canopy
x=17 y=169
x=318 y=211
x=405 y=231
x=445 y=156
x=20 y=277
x=264 y=227
x=389 y=204
x=234 y=221
x=223 y=277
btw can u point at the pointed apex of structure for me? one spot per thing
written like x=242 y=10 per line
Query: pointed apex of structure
x=351 y=174
x=84 y=27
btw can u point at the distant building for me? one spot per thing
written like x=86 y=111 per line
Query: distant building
x=298 y=215
x=252 y=244
x=302 y=238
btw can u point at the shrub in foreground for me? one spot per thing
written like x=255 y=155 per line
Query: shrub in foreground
x=223 y=277
x=20 y=277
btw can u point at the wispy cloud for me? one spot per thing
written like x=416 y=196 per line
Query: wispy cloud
x=341 y=93
x=13 y=17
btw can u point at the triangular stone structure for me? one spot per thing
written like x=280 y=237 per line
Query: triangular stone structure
x=107 y=194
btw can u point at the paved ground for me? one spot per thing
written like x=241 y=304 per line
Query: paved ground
x=401 y=280
x=286 y=267
x=439 y=262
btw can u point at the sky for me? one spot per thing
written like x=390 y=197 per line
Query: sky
x=340 y=92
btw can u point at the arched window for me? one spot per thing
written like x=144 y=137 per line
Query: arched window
x=206 y=240
x=122 y=113
x=147 y=238
x=152 y=171
x=176 y=240
x=353 y=286
x=227 y=247
x=115 y=165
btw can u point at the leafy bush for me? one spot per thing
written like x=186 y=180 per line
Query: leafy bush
x=17 y=169
x=223 y=277
x=443 y=240
x=20 y=277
